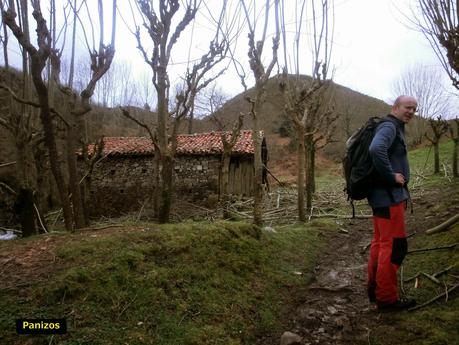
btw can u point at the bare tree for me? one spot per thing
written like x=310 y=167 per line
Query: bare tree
x=425 y=84
x=145 y=92
x=439 y=22
x=229 y=139
x=47 y=54
x=101 y=58
x=117 y=86
x=439 y=127
x=454 y=134
x=17 y=118
x=305 y=99
x=158 y=20
x=261 y=73
x=39 y=56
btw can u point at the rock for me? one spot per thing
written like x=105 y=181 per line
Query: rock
x=289 y=338
x=332 y=310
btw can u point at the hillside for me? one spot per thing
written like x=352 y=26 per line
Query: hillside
x=351 y=105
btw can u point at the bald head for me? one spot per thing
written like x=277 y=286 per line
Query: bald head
x=404 y=108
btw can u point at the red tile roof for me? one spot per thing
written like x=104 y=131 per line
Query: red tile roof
x=188 y=144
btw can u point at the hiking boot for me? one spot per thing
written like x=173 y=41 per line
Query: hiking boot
x=400 y=304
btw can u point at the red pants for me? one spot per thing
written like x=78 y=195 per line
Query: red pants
x=387 y=251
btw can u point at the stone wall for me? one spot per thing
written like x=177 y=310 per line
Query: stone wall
x=123 y=184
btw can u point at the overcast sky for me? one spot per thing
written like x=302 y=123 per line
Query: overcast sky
x=372 y=46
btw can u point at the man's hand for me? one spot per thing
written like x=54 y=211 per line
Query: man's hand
x=399 y=179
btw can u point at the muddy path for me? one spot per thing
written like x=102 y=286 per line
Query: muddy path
x=335 y=309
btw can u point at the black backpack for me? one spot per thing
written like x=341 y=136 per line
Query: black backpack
x=358 y=168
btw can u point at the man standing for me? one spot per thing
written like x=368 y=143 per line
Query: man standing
x=388 y=200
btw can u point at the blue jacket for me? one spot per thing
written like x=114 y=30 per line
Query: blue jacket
x=389 y=154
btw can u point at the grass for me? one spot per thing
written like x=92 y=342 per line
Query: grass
x=187 y=283
x=422 y=161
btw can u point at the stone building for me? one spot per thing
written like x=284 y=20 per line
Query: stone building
x=122 y=180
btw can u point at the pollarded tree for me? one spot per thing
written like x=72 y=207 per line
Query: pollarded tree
x=19 y=118
x=215 y=101
x=164 y=30
x=439 y=127
x=306 y=100
x=261 y=73
x=77 y=105
x=439 y=22
x=39 y=56
x=454 y=134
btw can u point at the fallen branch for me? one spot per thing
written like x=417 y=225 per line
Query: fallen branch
x=433 y=248
x=103 y=227
x=282 y=184
x=337 y=216
x=443 y=226
x=7 y=164
x=412 y=278
x=446 y=293
x=12 y=230
x=444 y=271
x=39 y=218
x=11 y=190
x=432 y=278
x=365 y=247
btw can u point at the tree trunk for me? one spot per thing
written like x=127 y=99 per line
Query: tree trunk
x=312 y=168
x=5 y=47
x=165 y=164
x=24 y=210
x=43 y=182
x=157 y=184
x=301 y=174
x=85 y=187
x=224 y=182
x=74 y=186
x=436 y=157
x=167 y=187
x=455 y=153
x=258 y=167
x=50 y=142
x=190 y=122
x=25 y=171
x=309 y=171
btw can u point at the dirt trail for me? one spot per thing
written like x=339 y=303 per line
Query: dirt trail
x=337 y=309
